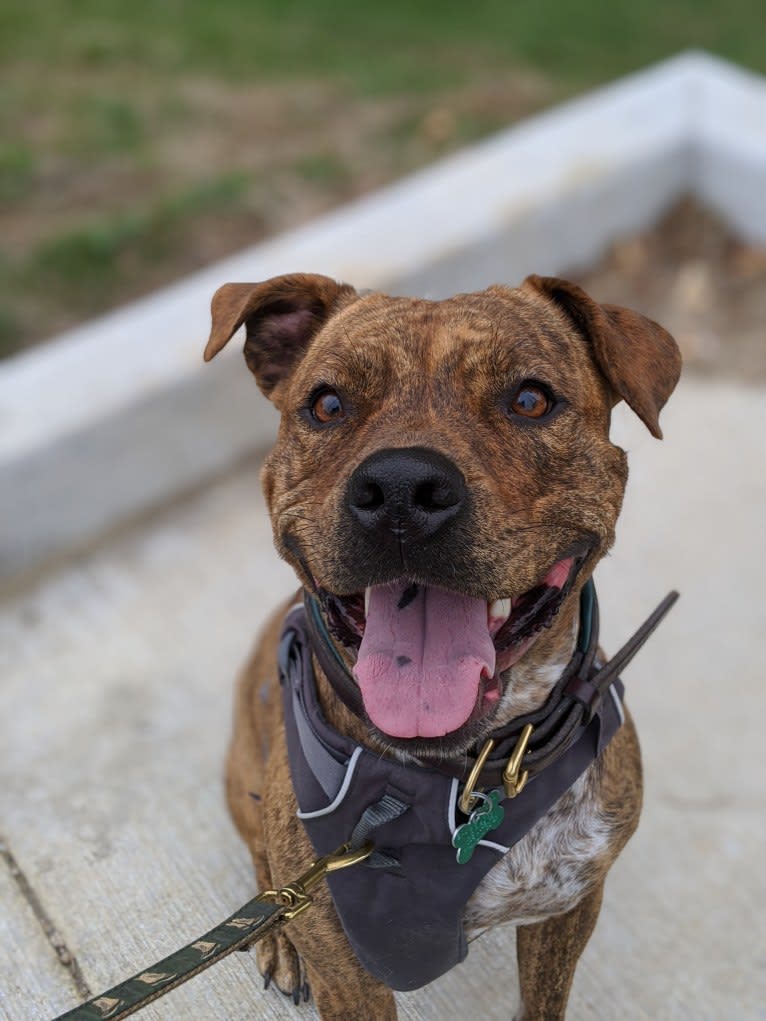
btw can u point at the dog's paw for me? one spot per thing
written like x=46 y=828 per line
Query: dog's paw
x=280 y=965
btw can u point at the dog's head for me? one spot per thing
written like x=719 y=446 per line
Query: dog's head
x=443 y=478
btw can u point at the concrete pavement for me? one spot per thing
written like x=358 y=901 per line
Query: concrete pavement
x=114 y=715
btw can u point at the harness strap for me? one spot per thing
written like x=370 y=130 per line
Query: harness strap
x=326 y=766
x=372 y=818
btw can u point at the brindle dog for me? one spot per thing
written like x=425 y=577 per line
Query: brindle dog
x=462 y=445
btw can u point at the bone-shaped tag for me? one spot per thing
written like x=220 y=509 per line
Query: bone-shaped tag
x=481 y=821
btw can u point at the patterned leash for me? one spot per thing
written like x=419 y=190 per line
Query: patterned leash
x=239 y=932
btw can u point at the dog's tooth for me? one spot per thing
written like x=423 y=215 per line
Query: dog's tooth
x=500 y=609
x=366 y=601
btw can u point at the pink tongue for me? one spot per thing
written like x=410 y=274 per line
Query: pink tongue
x=422 y=658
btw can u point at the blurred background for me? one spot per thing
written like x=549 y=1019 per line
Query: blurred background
x=140 y=141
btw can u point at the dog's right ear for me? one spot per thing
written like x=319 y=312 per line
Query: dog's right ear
x=281 y=317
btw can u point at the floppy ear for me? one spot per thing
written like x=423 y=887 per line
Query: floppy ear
x=639 y=359
x=281 y=316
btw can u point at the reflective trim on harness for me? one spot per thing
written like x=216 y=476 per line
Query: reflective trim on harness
x=343 y=791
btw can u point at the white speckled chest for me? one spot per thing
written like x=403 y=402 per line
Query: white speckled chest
x=547 y=871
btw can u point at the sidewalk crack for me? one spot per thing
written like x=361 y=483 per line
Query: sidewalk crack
x=65 y=956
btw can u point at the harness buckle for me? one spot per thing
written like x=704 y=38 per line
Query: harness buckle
x=514 y=780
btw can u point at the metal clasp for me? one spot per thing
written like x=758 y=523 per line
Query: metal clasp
x=295 y=896
x=469 y=797
x=513 y=780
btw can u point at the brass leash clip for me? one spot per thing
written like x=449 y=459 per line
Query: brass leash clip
x=295 y=896
x=514 y=780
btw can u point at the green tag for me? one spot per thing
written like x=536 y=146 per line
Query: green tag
x=487 y=817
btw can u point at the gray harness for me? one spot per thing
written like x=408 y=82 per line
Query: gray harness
x=402 y=911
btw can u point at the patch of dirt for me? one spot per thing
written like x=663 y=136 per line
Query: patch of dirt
x=707 y=288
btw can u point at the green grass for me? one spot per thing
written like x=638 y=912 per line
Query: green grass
x=87 y=253
x=378 y=46
x=88 y=264
x=323 y=168
x=130 y=151
x=17 y=164
x=103 y=123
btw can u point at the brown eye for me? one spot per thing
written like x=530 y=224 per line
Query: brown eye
x=327 y=407
x=531 y=401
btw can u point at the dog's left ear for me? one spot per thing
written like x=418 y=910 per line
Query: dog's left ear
x=639 y=359
x=282 y=315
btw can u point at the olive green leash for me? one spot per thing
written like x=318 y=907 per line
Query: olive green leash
x=239 y=932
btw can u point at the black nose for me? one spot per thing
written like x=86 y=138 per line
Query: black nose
x=410 y=492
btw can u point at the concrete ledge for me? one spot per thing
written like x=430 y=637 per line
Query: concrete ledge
x=120 y=414
x=730 y=148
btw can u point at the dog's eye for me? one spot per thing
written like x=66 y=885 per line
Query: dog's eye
x=531 y=401
x=326 y=407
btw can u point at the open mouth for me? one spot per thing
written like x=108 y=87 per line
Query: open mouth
x=429 y=660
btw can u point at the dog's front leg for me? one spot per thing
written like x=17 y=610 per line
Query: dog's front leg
x=340 y=986
x=548 y=952
x=314 y=944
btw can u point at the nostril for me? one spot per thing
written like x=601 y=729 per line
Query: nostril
x=369 y=496
x=433 y=496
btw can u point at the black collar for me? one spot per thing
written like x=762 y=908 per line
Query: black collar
x=570 y=706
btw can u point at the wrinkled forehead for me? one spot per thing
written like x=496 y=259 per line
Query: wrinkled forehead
x=406 y=341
